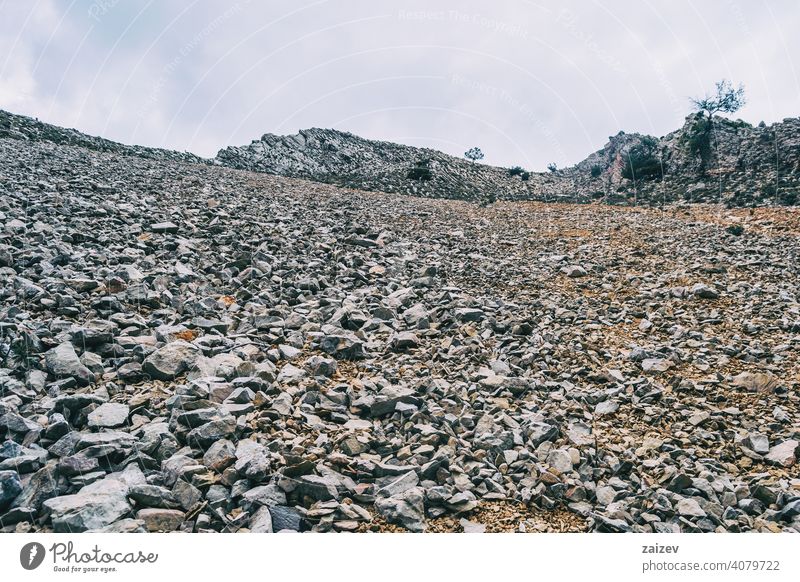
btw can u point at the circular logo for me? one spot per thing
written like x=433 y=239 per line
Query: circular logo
x=31 y=555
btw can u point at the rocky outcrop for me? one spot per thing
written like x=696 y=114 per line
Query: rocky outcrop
x=344 y=159
x=738 y=165
x=743 y=165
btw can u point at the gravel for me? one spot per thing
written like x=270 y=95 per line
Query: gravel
x=185 y=347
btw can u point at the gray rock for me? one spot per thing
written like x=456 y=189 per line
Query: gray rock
x=94 y=506
x=784 y=454
x=758 y=442
x=574 y=271
x=220 y=455
x=63 y=362
x=406 y=509
x=10 y=487
x=688 y=507
x=170 y=361
x=109 y=415
x=206 y=435
x=342 y=345
x=261 y=521
x=170 y=227
x=560 y=460
x=607 y=407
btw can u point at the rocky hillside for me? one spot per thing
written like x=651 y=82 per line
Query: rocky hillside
x=20 y=127
x=195 y=348
x=737 y=165
x=344 y=159
x=740 y=165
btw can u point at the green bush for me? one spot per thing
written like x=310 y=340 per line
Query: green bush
x=519 y=171
x=642 y=162
x=420 y=173
x=698 y=138
x=596 y=171
x=789 y=198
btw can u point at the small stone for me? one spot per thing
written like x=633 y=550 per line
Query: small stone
x=574 y=271
x=63 y=362
x=656 y=365
x=560 y=460
x=471 y=526
x=109 y=415
x=704 y=291
x=160 y=520
x=784 y=454
x=170 y=227
x=606 y=408
x=171 y=360
x=406 y=509
x=688 y=507
x=10 y=487
x=758 y=442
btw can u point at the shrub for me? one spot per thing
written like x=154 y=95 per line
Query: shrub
x=519 y=171
x=420 y=173
x=473 y=154
x=552 y=167
x=698 y=138
x=642 y=162
x=596 y=171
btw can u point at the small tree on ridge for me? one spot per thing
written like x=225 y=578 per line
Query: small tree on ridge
x=473 y=154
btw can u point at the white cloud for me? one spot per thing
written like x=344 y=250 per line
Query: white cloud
x=529 y=83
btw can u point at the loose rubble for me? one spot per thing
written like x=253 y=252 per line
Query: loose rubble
x=186 y=347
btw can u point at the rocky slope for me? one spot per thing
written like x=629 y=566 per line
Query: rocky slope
x=23 y=128
x=344 y=159
x=744 y=165
x=195 y=348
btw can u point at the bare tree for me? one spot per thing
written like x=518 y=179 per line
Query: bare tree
x=725 y=100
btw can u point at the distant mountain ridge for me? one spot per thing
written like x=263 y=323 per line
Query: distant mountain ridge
x=742 y=164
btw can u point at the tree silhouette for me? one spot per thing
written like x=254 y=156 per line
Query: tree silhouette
x=473 y=154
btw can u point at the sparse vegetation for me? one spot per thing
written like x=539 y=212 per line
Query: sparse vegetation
x=421 y=171
x=488 y=199
x=519 y=171
x=726 y=100
x=474 y=154
x=643 y=162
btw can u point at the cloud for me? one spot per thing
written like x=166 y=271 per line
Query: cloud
x=529 y=83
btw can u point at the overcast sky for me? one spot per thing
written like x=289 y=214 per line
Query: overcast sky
x=528 y=82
